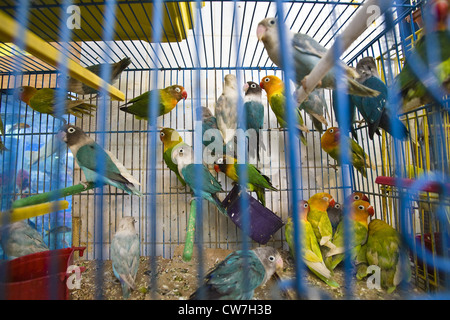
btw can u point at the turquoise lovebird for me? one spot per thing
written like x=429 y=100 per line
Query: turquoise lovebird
x=125 y=255
x=225 y=281
x=254 y=111
x=183 y=156
x=306 y=54
x=19 y=239
x=86 y=151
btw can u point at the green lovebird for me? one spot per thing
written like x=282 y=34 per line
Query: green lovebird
x=330 y=143
x=274 y=88
x=171 y=138
x=318 y=217
x=43 y=101
x=76 y=86
x=226 y=280
x=183 y=157
x=311 y=252
x=86 y=151
x=168 y=99
x=257 y=182
x=383 y=249
x=360 y=212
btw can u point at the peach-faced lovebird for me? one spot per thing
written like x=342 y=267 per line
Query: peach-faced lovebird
x=19 y=239
x=311 y=252
x=330 y=143
x=168 y=99
x=183 y=157
x=306 y=54
x=359 y=213
x=171 y=138
x=125 y=254
x=76 y=86
x=256 y=181
x=43 y=101
x=226 y=109
x=86 y=151
x=384 y=249
x=274 y=88
x=226 y=280
x=318 y=217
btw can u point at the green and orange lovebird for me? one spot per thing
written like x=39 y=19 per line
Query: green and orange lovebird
x=311 y=252
x=43 y=101
x=274 y=88
x=257 y=182
x=359 y=213
x=168 y=99
x=318 y=217
x=170 y=139
x=330 y=143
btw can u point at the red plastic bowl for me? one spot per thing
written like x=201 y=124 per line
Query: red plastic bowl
x=38 y=276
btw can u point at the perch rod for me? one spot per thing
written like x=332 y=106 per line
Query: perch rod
x=366 y=14
x=44 y=51
x=190 y=232
x=35 y=210
x=51 y=195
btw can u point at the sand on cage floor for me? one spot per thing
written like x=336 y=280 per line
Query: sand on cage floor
x=177 y=279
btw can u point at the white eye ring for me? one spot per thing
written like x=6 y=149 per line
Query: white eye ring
x=305 y=205
x=271 y=258
x=356 y=197
x=177 y=89
x=71 y=130
x=219 y=161
x=325 y=198
x=361 y=207
x=337 y=206
x=162 y=134
x=253 y=85
x=331 y=130
x=267 y=79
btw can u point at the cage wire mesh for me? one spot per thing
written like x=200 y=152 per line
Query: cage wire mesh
x=200 y=43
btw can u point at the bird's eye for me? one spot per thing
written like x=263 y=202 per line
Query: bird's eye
x=219 y=161
x=272 y=22
x=162 y=134
x=267 y=79
x=180 y=151
x=271 y=258
x=331 y=130
x=21 y=89
x=356 y=197
x=361 y=207
x=177 y=89
x=71 y=130
x=253 y=85
x=325 y=198
x=337 y=206
x=67 y=77
x=305 y=205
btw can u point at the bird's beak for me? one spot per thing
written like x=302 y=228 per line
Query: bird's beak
x=184 y=94
x=370 y=211
x=261 y=84
x=260 y=32
x=61 y=135
x=245 y=88
x=337 y=136
x=216 y=168
x=332 y=203
x=279 y=264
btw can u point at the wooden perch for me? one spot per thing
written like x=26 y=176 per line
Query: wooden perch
x=44 y=51
x=52 y=195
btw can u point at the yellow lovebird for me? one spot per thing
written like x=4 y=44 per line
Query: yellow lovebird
x=318 y=217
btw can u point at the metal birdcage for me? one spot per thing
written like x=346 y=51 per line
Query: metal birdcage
x=195 y=44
